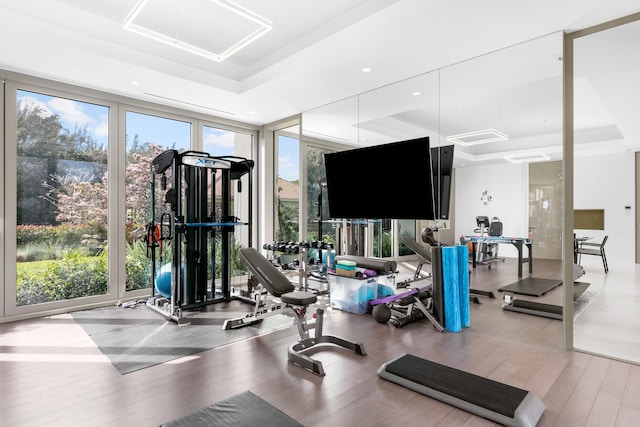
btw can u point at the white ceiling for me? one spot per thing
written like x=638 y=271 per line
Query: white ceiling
x=313 y=55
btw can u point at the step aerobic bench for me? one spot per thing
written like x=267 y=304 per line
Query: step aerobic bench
x=293 y=303
x=502 y=403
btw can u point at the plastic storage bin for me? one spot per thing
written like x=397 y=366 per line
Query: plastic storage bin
x=352 y=294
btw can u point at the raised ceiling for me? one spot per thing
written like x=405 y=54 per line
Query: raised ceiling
x=312 y=56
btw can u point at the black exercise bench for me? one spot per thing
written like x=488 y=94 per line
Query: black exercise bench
x=292 y=302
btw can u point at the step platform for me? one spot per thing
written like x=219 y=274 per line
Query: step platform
x=502 y=403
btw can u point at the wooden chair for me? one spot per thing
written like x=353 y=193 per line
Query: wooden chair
x=592 y=248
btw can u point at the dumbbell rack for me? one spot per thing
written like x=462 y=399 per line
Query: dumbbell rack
x=302 y=263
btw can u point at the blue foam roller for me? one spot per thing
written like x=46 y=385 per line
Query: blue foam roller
x=451 y=292
x=463 y=284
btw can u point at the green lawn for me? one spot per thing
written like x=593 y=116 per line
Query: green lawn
x=33 y=267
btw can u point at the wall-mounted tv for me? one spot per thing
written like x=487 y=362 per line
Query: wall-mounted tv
x=388 y=181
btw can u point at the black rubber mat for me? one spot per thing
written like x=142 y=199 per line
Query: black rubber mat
x=531 y=286
x=483 y=392
x=532 y=305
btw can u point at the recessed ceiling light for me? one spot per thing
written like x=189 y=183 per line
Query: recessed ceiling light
x=478 y=137
x=264 y=26
x=366 y=69
x=417 y=93
x=135 y=83
x=536 y=156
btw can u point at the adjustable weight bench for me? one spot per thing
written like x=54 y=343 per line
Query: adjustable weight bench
x=292 y=302
x=502 y=403
x=425 y=258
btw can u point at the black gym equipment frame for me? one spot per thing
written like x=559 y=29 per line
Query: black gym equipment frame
x=200 y=227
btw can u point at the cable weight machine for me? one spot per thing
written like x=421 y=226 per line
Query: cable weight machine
x=198 y=224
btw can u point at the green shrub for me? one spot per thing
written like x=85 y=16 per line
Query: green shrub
x=64 y=234
x=29 y=252
x=72 y=276
x=138 y=265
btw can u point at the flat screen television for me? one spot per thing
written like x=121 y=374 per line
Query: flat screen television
x=388 y=181
x=442 y=167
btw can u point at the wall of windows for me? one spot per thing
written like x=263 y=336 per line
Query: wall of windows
x=76 y=172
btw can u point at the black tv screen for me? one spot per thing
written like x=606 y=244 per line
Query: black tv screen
x=388 y=181
x=442 y=167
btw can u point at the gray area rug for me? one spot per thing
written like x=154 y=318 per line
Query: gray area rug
x=136 y=338
x=242 y=410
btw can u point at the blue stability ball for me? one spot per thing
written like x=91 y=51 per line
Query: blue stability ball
x=163 y=280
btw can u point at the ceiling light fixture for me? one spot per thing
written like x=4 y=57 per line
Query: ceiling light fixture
x=536 y=156
x=478 y=137
x=366 y=69
x=264 y=26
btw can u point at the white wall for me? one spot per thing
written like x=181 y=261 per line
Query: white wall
x=600 y=182
x=608 y=182
x=508 y=186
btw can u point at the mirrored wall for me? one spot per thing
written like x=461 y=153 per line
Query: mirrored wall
x=505 y=103
x=515 y=95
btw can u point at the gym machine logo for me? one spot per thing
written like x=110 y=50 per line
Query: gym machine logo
x=486 y=198
x=206 y=162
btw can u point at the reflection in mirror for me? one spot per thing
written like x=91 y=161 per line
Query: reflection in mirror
x=334 y=123
x=401 y=111
x=516 y=91
x=504 y=113
x=606 y=141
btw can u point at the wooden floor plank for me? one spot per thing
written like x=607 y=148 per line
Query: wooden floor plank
x=51 y=372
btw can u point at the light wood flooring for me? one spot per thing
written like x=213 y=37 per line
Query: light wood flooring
x=611 y=324
x=52 y=374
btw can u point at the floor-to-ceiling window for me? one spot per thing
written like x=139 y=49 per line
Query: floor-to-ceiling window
x=57 y=173
x=235 y=145
x=147 y=135
x=319 y=226
x=287 y=187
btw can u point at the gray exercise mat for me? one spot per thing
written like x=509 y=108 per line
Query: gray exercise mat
x=136 y=338
x=242 y=410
